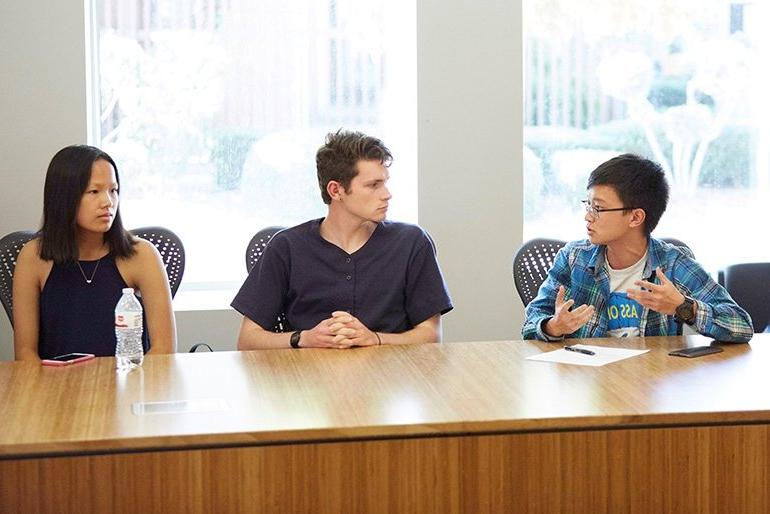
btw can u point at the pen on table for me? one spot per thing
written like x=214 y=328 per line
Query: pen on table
x=579 y=350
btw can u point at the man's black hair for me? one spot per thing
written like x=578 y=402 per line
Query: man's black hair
x=640 y=183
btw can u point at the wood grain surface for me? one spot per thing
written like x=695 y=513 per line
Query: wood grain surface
x=460 y=427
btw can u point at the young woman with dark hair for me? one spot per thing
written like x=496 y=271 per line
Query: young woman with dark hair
x=68 y=280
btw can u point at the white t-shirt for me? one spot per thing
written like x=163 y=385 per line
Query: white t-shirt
x=623 y=313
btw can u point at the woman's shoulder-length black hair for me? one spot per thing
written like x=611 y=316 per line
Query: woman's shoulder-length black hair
x=66 y=180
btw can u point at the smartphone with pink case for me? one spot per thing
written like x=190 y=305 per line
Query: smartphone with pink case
x=67 y=359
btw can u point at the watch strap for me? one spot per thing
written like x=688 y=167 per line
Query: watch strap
x=685 y=313
x=294 y=339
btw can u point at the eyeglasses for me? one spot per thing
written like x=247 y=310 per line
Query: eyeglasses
x=594 y=211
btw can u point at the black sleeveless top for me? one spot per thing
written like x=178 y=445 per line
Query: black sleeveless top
x=76 y=316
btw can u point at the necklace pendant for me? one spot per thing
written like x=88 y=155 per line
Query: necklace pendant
x=89 y=280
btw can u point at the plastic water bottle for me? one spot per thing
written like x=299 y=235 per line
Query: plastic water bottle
x=128 y=331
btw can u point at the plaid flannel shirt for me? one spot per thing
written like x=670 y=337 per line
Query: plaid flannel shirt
x=579 y=267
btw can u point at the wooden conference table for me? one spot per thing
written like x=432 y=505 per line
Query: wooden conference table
x=458 y=427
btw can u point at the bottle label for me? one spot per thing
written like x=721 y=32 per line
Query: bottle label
x=128 y=320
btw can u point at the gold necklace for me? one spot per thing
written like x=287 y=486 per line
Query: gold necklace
x=89 y=280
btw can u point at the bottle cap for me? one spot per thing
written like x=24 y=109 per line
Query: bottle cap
x=128 y=290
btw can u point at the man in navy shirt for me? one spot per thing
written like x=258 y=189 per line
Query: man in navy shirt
x=351 y=278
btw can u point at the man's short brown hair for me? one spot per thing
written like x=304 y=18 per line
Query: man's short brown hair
x=336 y=159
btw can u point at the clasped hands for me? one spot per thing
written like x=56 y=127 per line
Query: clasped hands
x=663 y=298
x=342 y=330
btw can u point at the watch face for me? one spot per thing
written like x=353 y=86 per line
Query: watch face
x=685 y=311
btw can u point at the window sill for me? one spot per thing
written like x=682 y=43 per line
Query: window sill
x=213 y=299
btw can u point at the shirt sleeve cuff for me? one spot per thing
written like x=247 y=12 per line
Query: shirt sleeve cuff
x=702 y=316
x=542 y=333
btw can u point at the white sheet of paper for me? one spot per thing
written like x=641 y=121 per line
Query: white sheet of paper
x=603 y=355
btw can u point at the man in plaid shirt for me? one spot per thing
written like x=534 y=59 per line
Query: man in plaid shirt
x=621 y=282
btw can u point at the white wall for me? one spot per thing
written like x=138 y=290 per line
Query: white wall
x=469 y=155
x=469 y=140
x=42 y=107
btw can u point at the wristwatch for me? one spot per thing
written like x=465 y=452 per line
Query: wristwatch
x=686 y=311
x=294 y=340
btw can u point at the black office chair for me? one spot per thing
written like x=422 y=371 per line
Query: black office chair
x=747 y=284
x=168 y=244
x=680 y=244
x=10 y=246
x=254 y=251
x=171 y=251
x=531 y=264
x=257 y=245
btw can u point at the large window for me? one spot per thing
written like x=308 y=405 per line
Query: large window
x=682 y=82
x=213 y=110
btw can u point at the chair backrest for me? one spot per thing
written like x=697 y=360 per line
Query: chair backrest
x=171 y=251
x=747 y=284
x=531 y=264
x=677 y=242
x=533 y=260
x=168 y=244
x=10 y=246
x=257 y=245
x=254 y=251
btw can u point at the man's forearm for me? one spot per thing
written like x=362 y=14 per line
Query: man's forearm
x=252 y=338
x=419 y=334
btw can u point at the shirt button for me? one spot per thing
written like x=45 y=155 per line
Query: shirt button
x=348 y=277
x=347 y=260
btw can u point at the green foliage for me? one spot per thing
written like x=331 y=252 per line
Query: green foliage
x=727 y=162
x=729 y=159
x=621 y=136
x=229 y=151
x=668 y=91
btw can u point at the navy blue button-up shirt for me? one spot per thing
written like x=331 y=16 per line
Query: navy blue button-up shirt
x=390 y=284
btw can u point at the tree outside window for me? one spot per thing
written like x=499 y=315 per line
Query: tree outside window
x=213 y=111
x=679 y=82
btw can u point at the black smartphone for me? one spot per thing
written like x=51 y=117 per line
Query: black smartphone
x=696 y=351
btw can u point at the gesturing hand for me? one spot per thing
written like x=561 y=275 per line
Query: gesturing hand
x=564 y=320
x=349 y=331
x=663 y=297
